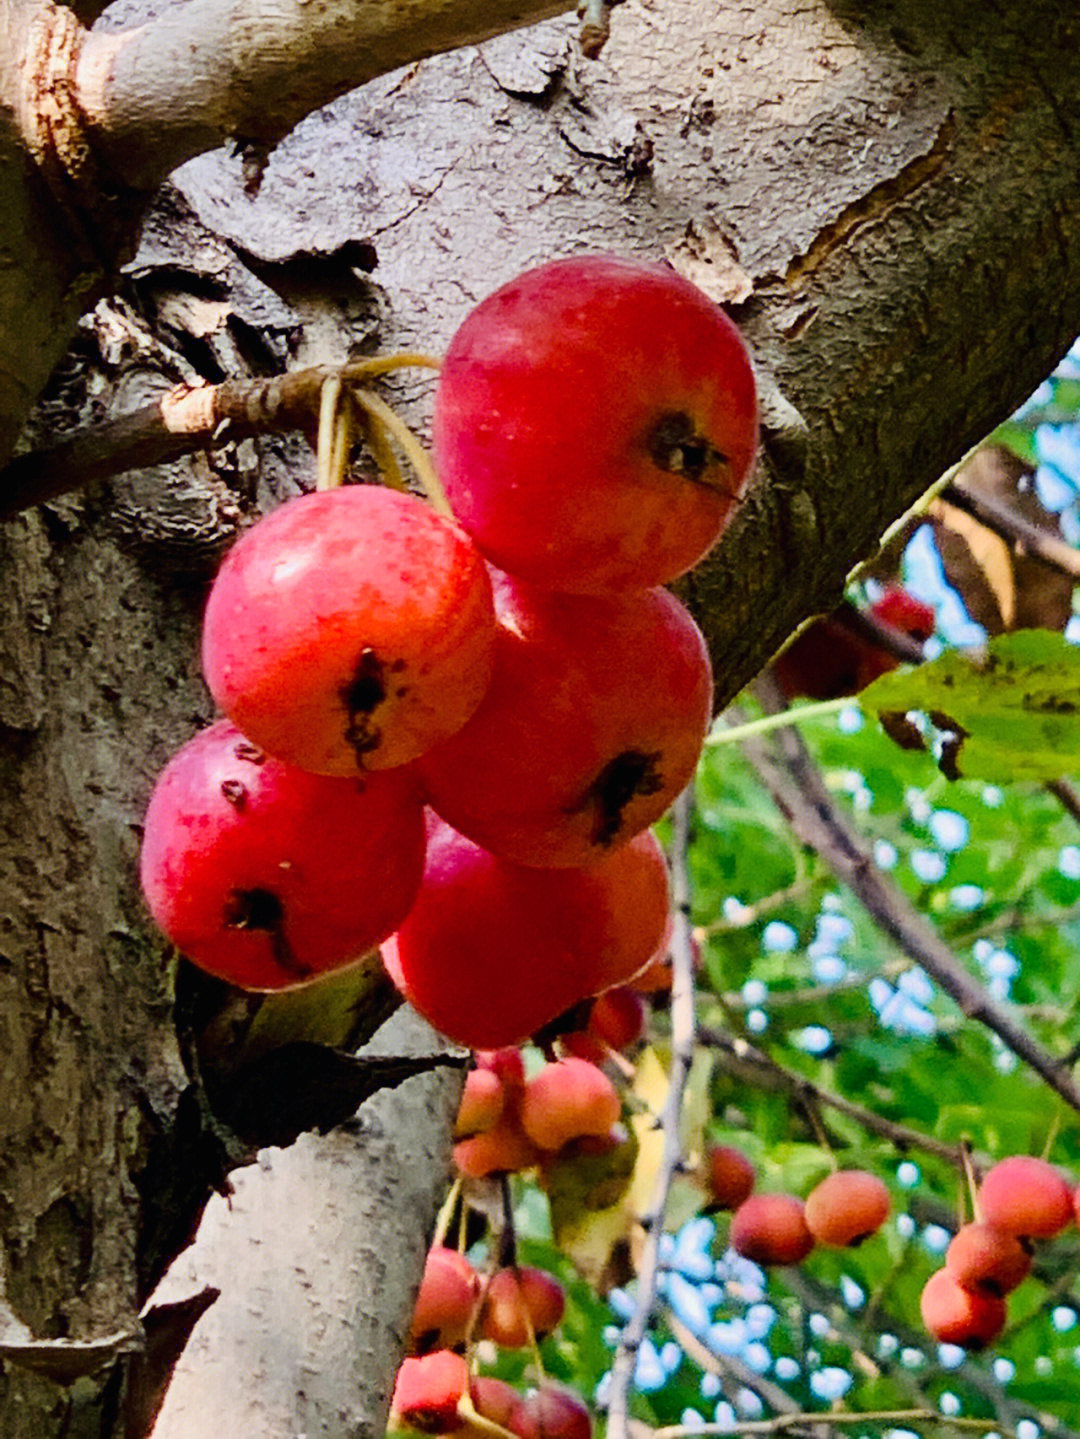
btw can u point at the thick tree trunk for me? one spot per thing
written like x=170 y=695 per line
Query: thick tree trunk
x=884 y=194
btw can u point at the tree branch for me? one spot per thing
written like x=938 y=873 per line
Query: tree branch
x=1012 y=527
x=799 y=792
x=215 y=70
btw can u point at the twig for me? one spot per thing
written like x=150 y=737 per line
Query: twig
x=682 y=1056
x=761 y=1069
x=1019 y=532
x=185 y=419
x=1067 y=796
x=786 y=1423
x=730 y=1366
x=800 y=794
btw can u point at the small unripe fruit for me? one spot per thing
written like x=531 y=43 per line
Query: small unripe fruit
x=986 y=1259
x=730 y=1176
x=566 y=1100
x=771 y=1229
x=428 y=1391
x=846 y=1208
x=1025 y=1195
x=482 y=1101
x=444 y=1304
x=954 y=1315
x=513 y=1295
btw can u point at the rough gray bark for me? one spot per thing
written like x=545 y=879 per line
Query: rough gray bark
x=885 y=195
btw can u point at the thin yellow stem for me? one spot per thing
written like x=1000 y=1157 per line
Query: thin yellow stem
x=409 y=445
x=329 y=403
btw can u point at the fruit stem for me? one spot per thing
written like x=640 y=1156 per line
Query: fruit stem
x=410 y=446
x=1052 y=1133
x=446 y=1214
x=385 y=459
x=383 y=364
x=335 y=435
x=809 y=1104
x=534 y=1344
x=468 y=1411
x=735 y=733
x=971 y=1180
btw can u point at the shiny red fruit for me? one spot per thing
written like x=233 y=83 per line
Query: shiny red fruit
x=595 y=424
x=266 y=875
x=350 y=630
x=1025 y=1195
x=954 y=1315
x=771 y=1229
x=593 y=723
x=491 y=951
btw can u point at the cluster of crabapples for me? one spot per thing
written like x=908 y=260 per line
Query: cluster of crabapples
x=448 y=734
x=1021 y=1199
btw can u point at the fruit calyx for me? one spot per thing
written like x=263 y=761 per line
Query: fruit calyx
x=622 y=780
x=677 y=448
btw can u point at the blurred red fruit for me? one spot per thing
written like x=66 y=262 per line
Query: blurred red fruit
x=846 y=1208
x=771 y=1229
x=730 y=1175
x=444 y=1304
x=566 y=1100
x=954 y=1315
x=986 y=1259
x=428 y=1390
x=558 y=1414
x=1025 y=1195
x=514 y=1294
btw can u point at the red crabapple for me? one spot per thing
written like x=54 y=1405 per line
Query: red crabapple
x=986 y=1259
x=593 y=722
x=503 y=1149
x=491 y=951
x=266 y=875
x=501 y=1404
x=482 y=1101
x=730 y=1177
x=1025 y=1195
x=566 y=1100
x=444 y=1304
x=771 y=1229
x=616 y=1021
x=846 y=1208
x=428 y=1391
x=899 y=608
x=828 y=659
x=595 y=423
x=513 y=1294
x=954 y=1315
x=350 y=629
x=559 y=1414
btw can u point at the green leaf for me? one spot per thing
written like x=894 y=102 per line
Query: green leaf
x=1010 y=712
